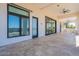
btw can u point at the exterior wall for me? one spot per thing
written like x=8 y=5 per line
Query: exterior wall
x=3 y=27
x=58 y=27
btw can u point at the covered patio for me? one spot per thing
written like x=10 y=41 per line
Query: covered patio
x=39 y=29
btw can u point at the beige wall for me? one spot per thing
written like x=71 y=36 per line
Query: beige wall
x=68 y=15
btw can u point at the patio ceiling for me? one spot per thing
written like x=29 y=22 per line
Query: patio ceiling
x=52 y=7
x=73 y=7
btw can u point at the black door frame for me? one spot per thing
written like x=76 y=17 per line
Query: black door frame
x=37 y=27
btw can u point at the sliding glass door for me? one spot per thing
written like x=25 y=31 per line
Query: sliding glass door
x=50 y=25
x=18 y=22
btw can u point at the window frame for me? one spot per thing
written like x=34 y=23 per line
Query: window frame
x=20 y=16
x=46 y=17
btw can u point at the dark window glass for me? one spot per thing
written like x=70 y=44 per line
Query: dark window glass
x=18 y=11
x=18 y=22
x=25 y=26
x=50 y=26
x=13 y=25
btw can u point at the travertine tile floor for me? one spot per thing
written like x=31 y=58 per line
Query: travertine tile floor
x=51 y=45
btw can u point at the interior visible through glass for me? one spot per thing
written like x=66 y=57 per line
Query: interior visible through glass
x=25 y=26
x=50 y=26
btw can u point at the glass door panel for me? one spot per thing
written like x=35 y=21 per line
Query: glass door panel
x=50 y=26
x=34 y=27
x=53 y=27
x=25 y=26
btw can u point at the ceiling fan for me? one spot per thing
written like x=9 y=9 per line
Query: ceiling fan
x=64 y=11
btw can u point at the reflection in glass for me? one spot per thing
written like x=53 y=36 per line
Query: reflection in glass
x=25 y=26
x=13 y=25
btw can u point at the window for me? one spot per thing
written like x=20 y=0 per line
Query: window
x=50 y=25
x=25 y=26
x=18 y=22
x=14 y=25
x=71 y=25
